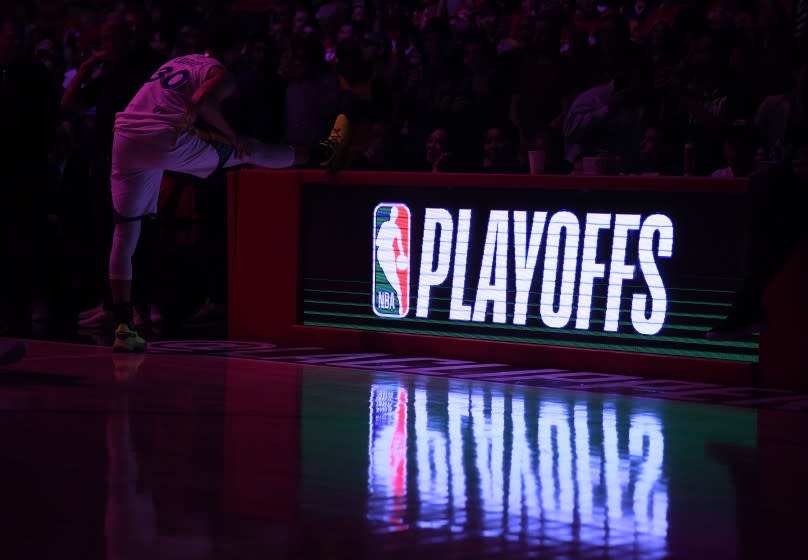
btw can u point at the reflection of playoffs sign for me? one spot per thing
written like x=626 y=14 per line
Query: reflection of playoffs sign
x=391 y=260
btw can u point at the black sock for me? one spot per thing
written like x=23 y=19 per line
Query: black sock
x=123 y=313
x=319 y=153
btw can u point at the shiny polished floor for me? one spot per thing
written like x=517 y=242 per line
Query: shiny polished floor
x=182 y=456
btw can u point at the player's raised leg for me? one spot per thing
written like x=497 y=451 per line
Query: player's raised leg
x=329 y=153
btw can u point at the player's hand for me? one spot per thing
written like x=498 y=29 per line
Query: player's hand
x=241 y=147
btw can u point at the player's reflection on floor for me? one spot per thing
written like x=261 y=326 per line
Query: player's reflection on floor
x=470 y=457
x=131 y=516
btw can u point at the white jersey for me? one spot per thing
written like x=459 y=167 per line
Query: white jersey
x=162 y=102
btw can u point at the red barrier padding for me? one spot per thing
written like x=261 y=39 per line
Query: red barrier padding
x=782 y=362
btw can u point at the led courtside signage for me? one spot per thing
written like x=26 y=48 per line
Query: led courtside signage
x=391 y=260
x=635 y=271
x=510 y=257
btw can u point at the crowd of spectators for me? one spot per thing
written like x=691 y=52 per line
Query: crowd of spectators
x=645 y=87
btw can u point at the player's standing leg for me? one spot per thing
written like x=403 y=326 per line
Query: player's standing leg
x=134 y=196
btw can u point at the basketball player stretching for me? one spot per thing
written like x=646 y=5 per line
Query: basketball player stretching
x=156 y=133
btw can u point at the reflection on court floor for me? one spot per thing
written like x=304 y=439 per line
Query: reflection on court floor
x=491 y=461
x=600 y=382
x=181 y=455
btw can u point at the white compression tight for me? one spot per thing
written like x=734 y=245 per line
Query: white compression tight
x=124 y=243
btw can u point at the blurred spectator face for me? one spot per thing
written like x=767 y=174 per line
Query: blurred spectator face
x=137 y=23
x=704 y=54
x=49 y=8
x=739 y=154
x=801 y=84
x=460 y=24
x=156 y=15
x=524 y=30
x=486 y=21
x=282 y=13
x=231 y=56
x=611 y=36
x=46 y=54
x=552 y=148
x=433 y=47
x=745 y=23
x=800 y=162
x=649 y=145
x=437 y=145
x=10 y=42
x=380 y=144
x=655 y=153
x=474 y=58
x=415 y=69
x=295 y=65
x=358 y=13
x=159 y=44
x=258 y=55
x=326 y=19
x=462 y=102
x=578 y=42
x=760 y=157
x=380 y=134
x=731 y=154
x=189 y=39
x=415 y=59
x=501 y=28
x=546 y=36
x=114 y=40
x=299 y=21
x=71 y=50
x=495 y=146
x=373 y=49
x=585 y=8
x=660 y=37
x=343 y=11
x=349 y=61
x=430 y=9
x=608 y=8
x=277 y=31
x=718 y=15
x=345 y=32
x=770 y=18
x=285 y=63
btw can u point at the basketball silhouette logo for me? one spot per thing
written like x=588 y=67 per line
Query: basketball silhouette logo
x=391 y=260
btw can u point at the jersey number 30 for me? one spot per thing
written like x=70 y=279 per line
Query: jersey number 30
x=170 y=79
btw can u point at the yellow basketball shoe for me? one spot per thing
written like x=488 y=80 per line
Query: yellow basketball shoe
x=127 y=339
x=335 y=147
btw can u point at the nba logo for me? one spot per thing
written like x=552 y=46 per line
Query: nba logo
x=391 y=260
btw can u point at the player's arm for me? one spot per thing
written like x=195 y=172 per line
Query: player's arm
x=206 y=100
